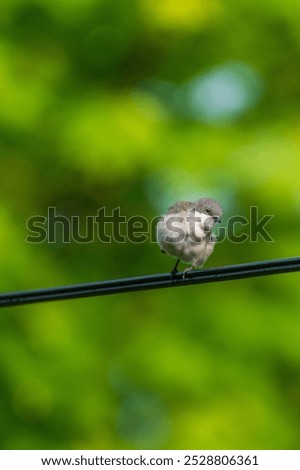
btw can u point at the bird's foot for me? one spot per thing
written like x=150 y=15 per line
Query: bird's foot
x=174 y=271
x=189 y=268
x=173 y=274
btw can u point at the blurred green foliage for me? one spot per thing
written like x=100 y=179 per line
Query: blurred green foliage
x=134 y=104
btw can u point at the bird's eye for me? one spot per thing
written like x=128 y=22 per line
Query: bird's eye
x=207 y=211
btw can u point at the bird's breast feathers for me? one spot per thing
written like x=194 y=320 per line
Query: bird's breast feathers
x=175 y=228
x=185 y=236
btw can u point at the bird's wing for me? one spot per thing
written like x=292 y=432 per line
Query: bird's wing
x=181 y=206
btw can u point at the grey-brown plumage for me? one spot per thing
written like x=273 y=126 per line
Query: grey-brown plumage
x=200 y=206
x=180 y=206
x=185 y=230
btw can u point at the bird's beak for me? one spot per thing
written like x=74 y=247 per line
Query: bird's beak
x=217 y=219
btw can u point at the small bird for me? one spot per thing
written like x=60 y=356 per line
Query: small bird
x=185 y=232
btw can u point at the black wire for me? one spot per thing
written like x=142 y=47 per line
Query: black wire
x=156 y=281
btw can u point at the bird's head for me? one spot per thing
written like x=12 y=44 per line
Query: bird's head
x=209 y=210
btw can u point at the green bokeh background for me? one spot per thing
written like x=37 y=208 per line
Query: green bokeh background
x=97 y=109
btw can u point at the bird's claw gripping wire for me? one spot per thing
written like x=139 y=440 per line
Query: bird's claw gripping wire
x=190 y=268
x=174 y=271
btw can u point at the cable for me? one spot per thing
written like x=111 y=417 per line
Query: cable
x=156 y=281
